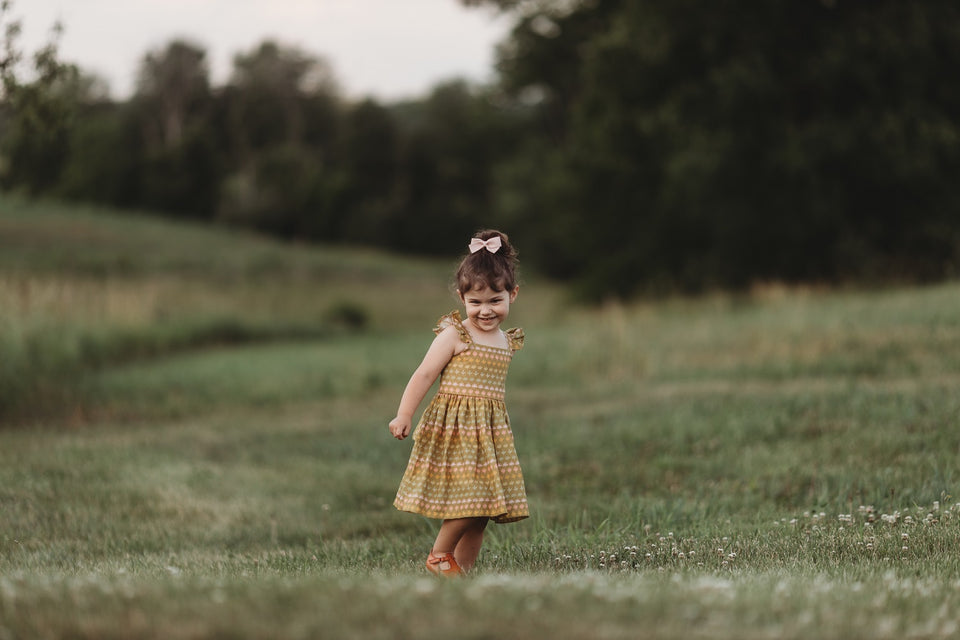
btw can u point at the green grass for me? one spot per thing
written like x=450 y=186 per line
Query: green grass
x=778 y=464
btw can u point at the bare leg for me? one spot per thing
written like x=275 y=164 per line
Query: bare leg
x=450 y=533
x=468 y=548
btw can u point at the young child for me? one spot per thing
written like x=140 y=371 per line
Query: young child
x=463 y=468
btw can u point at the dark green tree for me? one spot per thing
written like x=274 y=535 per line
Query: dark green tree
x=369 y=165
x=36 y=114
x=695 y=144
x=179 y=170
x=104 y=161
x=452 y=143
x=280 y=115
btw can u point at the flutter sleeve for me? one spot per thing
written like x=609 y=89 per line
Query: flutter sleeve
x=453 y=319
x=515 y=338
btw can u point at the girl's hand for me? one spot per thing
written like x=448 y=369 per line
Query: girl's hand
x=400 y=427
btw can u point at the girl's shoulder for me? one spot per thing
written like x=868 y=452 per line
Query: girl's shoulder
x=453 y=320
x=514 y=338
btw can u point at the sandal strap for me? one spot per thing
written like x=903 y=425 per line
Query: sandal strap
x=445 y=563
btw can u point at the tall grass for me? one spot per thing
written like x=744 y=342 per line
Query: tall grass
x=81 y=290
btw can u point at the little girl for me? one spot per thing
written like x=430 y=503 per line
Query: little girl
x=463 y=468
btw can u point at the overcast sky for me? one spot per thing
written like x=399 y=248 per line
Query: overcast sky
x=388 y=49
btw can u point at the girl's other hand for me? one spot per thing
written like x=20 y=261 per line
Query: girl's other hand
x=400 y=428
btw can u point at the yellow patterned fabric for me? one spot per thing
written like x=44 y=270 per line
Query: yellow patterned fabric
x=464 y=463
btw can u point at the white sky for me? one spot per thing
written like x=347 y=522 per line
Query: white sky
x=388 y=49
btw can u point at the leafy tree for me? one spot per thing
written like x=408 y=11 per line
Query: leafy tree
x=173 y=91
x=280 y=115
x=368 y=165
x=280 y=192
x=36 y=114
x=104 y=164
x=453 y=142
x=697 y=144
x=105 y=144
x=267 y=92
x=179 y=167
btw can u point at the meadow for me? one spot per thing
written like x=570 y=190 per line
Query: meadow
x=193 y=444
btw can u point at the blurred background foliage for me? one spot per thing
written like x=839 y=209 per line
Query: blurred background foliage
x=630 y=146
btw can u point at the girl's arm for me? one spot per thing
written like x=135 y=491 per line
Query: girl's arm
x=438 y=355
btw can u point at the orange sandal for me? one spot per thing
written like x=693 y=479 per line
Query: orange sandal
x=443 y=565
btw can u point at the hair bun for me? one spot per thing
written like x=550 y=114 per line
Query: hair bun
x=485 y=269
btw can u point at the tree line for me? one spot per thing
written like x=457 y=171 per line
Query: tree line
x=629 y=146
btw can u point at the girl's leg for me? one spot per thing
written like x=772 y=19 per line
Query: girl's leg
x=450 y=533
x=462 y=537
x=468 y=548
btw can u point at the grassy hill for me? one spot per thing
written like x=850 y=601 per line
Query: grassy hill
x=84 y=290
x=194 y=445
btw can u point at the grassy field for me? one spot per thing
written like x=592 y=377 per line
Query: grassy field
x=193 y=444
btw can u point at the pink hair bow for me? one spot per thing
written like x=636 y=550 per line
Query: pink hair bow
x=492 y=245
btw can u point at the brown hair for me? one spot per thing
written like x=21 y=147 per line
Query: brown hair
x=484 y=269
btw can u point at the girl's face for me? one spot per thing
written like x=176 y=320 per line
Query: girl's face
x=486 y=308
